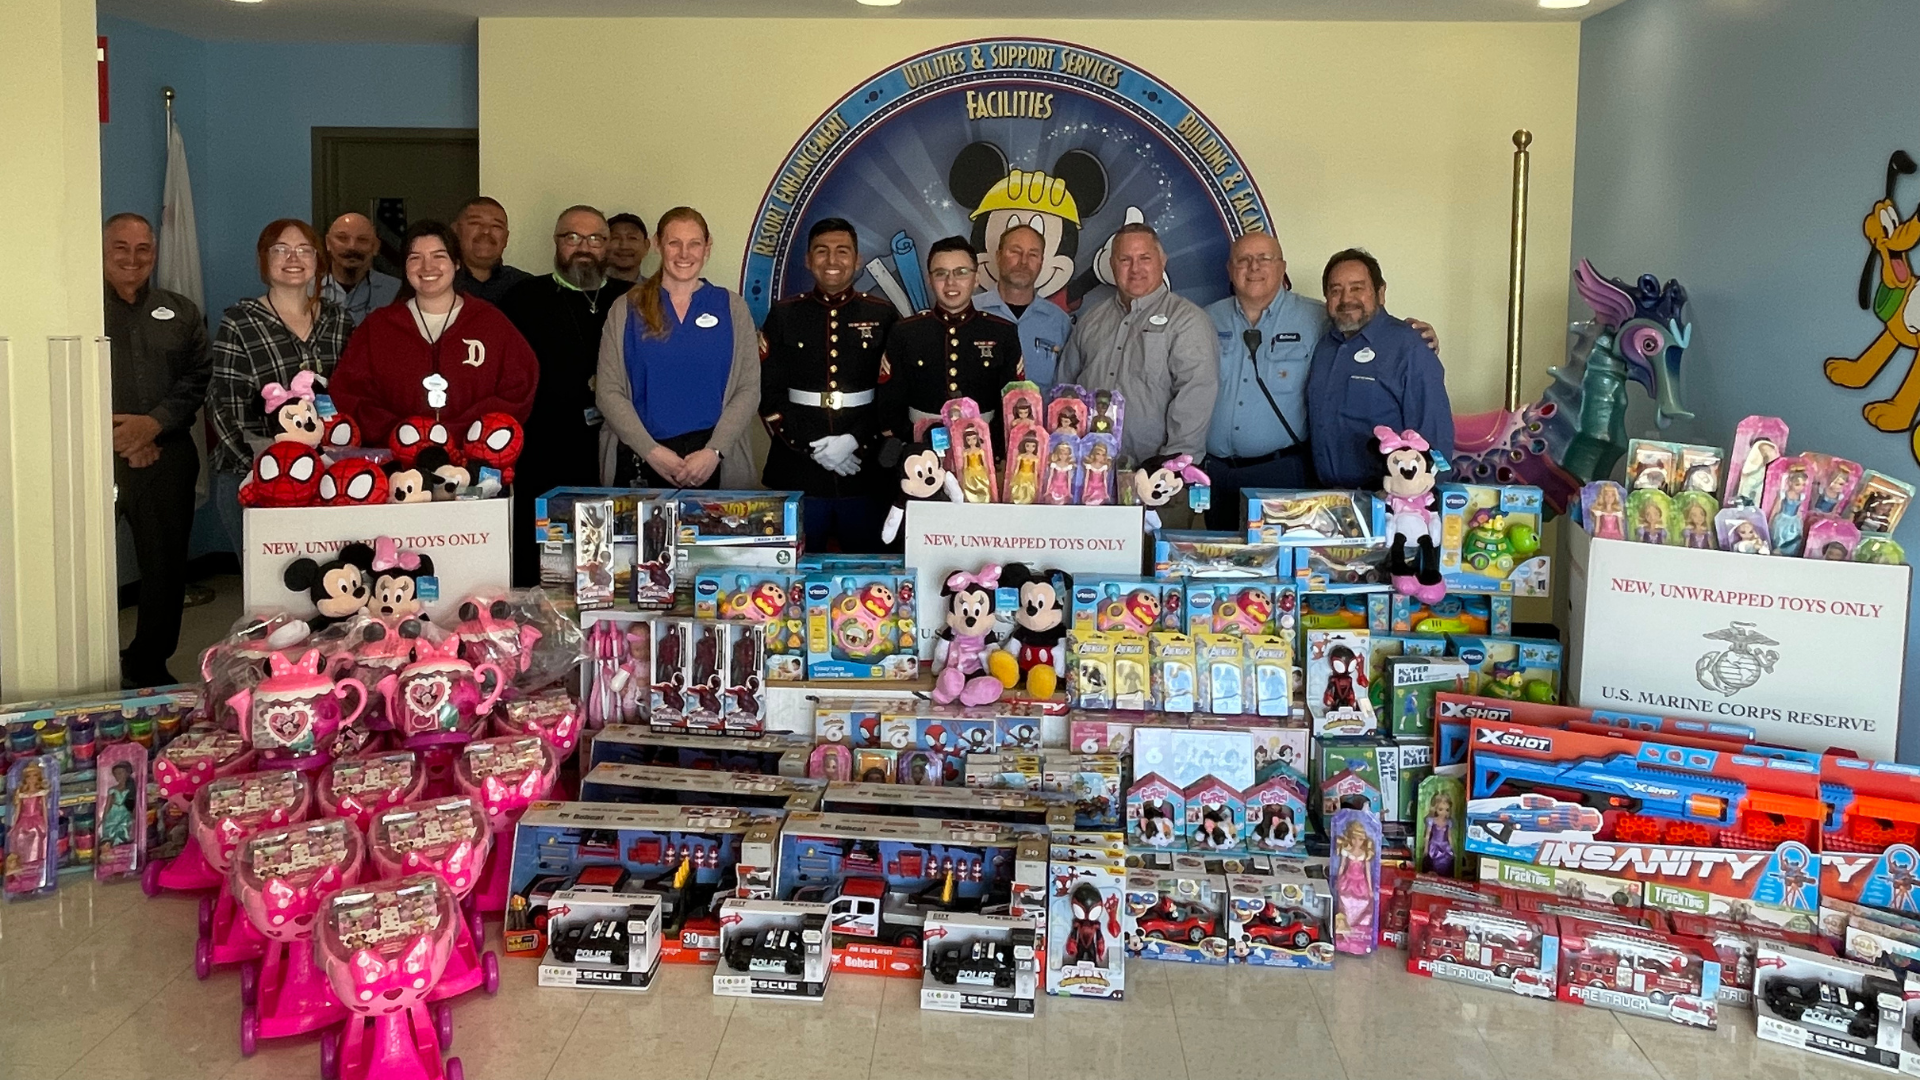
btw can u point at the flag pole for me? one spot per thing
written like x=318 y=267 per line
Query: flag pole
x=166 y=92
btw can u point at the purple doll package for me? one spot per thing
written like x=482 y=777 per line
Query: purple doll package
x=1757 y=442
x=1067 y=410
x=1743 y=531
x=120 y=812
x=1354 y=867
x=1833 y=539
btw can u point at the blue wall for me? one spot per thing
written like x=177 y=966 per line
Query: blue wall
x=1737 y=147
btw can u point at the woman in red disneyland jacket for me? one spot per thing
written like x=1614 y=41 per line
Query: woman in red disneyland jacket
x=433 y=352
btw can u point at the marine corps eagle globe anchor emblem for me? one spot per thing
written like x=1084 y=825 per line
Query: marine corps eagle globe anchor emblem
x=1740 y=664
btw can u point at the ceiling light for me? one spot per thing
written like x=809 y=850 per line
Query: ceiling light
x=246 y=1
x=1555 y=5
x=880 y=3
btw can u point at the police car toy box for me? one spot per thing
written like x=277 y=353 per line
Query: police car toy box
x=614 y=783
x=773 y=948
x=602 y=939
x=1282 y=918
x=690 y=857
x=980 y=964
x=1490 y=540
x=860 y=625
x=778 y=753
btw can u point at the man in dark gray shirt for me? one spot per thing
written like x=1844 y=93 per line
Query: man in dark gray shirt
x=160 y=371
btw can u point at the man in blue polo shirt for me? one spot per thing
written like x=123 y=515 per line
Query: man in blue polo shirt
x=1043 y=324
x=1369 y=368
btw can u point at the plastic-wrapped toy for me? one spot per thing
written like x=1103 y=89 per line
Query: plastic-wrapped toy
x=291 y=411
x=1651 y=466
x=504 y=776
x=440 y=694
x=830 y=761
x=551 y=714
x=1884 y=550
x=1025 y=443
x=1880 y=501
x=239 y=661
x=971 y=670
x=1649 y=516
x=1743 y=531
x=384 y=948
x=295 y=711
x=286 y=474
x=1059 y=484
x=120 y=812
x=280 y=878
x=491 y=631
x=1699 y=470
x=194 y=759
x=1603 y=509
x=973 y=459
x=1832 y=539
x=224 y=812
x=357 y=788
x=1038 y=643
x=1789 y=492
x=1440 y=826
x=1159 y=479
x=1067 y=410
x=494 y=441
x=380 y=648
x=615 y=679
x=1834 y=482
x=1757 y=442
x=450 y=838
x=1692 y=523
x=33 y=802
x=1413 y=523
x=1020 y=405
x=923 y=477
x=1097 y=458
x=1109 y=411
x=1355 y=871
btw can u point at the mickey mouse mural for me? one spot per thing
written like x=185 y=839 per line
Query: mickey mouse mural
x=1053 y=205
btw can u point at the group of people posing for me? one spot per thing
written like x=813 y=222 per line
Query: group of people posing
x=655 y=380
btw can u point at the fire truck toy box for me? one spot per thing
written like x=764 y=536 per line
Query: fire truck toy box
x=691 y=857
x=773 y=948
x=880 y=877
x=667 y=786
x=602 y=939
x=1576 y=907
x=1401 y=889
x=1484 y=945
x=1737 y=945
x=861 y=625
x=1674 y=817
x=1031 y=809
x=778 y=753
x=1283 y=918
x=1841 y=1008
x=1086 y=954
x=1175 y=916
x=1662 y=976
x=980 y=964
x=1868 y=851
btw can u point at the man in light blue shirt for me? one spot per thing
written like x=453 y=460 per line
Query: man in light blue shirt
x=353 y=283
x=1043 y=324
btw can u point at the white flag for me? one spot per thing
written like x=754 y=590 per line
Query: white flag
x=178 y=266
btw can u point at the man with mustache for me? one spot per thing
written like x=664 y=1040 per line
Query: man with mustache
x=1044 y=325
x=1369 y=369
x=352 y=282
x=561 y=316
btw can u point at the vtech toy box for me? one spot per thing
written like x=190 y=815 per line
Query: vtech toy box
x=1490 y=540
x=860 y=625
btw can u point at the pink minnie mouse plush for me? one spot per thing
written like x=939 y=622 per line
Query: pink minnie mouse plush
x=963 y=652
x=292 y=410
x=1159 y=479
x=1412 y=515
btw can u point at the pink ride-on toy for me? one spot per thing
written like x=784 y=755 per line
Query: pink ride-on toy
x=448 y=837
x=504 y=776
x=224 y=812
x=359 y=787
x=439 y=703
x=280 y=877
x=190 y=762
x=385 y=947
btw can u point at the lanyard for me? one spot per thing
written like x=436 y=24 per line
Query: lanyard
x=436 y=383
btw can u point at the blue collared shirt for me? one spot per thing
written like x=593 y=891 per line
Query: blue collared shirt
x=1243 y=422
x=1044 y=327
x=1382 y=373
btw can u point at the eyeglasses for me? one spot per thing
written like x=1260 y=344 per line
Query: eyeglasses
x=303 y=252
x=1248 y=262
x=959 y=273
x=593 y=240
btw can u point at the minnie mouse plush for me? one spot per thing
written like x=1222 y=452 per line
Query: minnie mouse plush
x=292 y=411
x=1159 y=479
x=1037 y=645
x=965 y=655
x=338 y=588
x=1412 y=515
x=396 y=578
x=923 y=477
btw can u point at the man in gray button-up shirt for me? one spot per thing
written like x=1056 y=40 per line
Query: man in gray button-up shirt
x=1155 y=347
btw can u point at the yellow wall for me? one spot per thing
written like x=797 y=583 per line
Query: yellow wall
x=1392 y=136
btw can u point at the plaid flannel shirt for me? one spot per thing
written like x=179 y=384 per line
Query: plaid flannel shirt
x=254 y=348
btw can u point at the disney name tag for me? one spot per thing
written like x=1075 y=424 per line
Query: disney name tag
x=163 y=313
x=707 y=320
x=1157 y=320
x=1364 y=356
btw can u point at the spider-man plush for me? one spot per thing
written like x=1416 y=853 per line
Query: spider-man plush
x=285 y=474
x=495 y=440
x=354 y=481
x=341 y=432
x=416 y=433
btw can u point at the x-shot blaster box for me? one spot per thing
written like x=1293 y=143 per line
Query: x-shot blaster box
x=1452 y=713
x=1870 y=833
x=1490 y=540
x=777 y=754
x=662 y=785
x=1675 y=817
x=690 y=857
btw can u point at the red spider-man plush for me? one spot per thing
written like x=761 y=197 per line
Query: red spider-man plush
x=494 y=440
x=353 y=481
x=341 y=432
x=285 y=474
x=416 y=433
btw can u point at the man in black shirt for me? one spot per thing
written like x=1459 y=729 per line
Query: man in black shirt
x=160 y=371
x=953 y=351
x=481 y=227
x=561 y=316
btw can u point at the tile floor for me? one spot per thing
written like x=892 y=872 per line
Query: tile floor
x=98 y=982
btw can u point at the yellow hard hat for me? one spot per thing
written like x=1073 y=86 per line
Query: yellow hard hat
x=1030 y=191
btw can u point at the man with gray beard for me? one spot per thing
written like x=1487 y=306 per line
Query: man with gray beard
x=561 y=316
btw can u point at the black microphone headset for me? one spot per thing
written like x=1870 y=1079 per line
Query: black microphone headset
x=1252 y=338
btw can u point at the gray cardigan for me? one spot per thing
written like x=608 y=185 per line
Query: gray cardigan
x=613 y=394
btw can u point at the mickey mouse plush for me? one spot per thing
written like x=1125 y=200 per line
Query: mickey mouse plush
x=1037 y=644
x=923 y=477
x=1159 y=479
x=406 y=483
x=339 y=588
x=444 y=479
x=396 y=578
x=1412 y=515
x=291 y=410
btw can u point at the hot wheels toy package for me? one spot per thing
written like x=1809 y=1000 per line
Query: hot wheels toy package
x=980 y=964
x=773 y=948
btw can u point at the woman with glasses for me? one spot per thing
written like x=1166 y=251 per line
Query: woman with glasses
x=679 y=378
x=268 y=339
x=433 y=353
x=952 y=351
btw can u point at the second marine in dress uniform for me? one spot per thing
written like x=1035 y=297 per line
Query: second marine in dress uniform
x=950 y=352
x=819 y=385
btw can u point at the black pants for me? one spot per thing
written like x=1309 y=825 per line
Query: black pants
x=1292 y=468
x=632 y=470
x=850 y=525
x=157 y=502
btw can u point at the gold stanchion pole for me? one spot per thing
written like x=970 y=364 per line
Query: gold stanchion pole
x=1517 y=266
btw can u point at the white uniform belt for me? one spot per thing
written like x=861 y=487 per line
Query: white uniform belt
x=917 y=415
x=832 y=399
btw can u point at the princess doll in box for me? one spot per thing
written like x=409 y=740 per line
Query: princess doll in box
x=1788 y=492
x=1023 y=464
x=1058 y=484
x=1603 y=508
x=1835 y=480
x=974 y=460
x=1355 y=870
x=1693 y=519
x=1096 y=483
x=1020 y=404
x=1109 y=408
x=1757 y=442
x=1067 y=412
x=1743 y=531
x=1649 y=511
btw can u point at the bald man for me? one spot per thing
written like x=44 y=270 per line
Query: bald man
x=354 y=284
